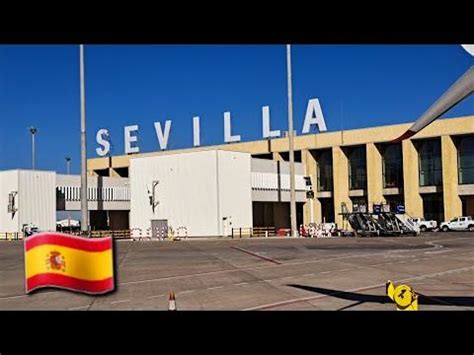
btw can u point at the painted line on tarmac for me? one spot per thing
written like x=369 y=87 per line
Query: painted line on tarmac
x=464 y=282
x=347 y=256
x=296 y=276
x=257 y=255
x=77 y=308
x=116 y=302
x=322 y=272
x=25 y=295
x=342 y=257
x=17 y=296
x=298 y=300
x=232 y=270
x=439 y=251
x=163 y=294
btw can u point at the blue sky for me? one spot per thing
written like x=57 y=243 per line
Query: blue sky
x=357 y=85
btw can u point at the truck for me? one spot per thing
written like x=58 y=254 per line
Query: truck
x=423 y=224
x=458 y=224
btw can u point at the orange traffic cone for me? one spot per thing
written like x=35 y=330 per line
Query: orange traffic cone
x=172 y=302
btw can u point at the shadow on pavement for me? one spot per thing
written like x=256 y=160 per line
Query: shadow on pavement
x=360 y=298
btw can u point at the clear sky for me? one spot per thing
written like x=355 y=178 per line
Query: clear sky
x=357 y=85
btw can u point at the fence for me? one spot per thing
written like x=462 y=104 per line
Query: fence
x=116 y=234
x=11 y=236
x=159 y=233
x=315 y=230
x=169 y=233
x=253 y=232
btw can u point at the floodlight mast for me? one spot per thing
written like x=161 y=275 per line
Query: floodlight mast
x=294 y=230
x=84 y=211
x=33 y=132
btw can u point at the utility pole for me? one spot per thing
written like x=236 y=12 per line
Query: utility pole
x=294 y=230
x=84 y=212
x=33 y=131
x=68 y=161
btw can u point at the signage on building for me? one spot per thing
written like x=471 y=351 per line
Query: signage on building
x=377 y=208
x=313 y=117
x=400 y=209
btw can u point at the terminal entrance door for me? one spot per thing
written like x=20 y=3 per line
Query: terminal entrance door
x=159 y=228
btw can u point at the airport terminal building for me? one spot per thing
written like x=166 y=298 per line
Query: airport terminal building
x=210 y=190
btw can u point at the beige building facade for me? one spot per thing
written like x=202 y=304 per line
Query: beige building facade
x=431 y=174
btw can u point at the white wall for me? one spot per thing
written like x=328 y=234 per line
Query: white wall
x=8 y=183
x=271 y=181
x=235 y=189
x=37 y=199
x=188 y=191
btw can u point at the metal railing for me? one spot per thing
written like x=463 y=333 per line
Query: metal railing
x=257 y=232
x=11 y=236
x=116 y=234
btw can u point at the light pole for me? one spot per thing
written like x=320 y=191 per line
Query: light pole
x=33 y=131
x=84 y=212
x=294 y=230
x=68 y=163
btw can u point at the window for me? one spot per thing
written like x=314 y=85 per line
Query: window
x=392 y=166
x=466 y=160
x=429 y=157
x=433 y=208
x=324 y=170
x=357 y=168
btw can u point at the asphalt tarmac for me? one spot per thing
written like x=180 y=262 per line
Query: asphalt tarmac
x=266 y=274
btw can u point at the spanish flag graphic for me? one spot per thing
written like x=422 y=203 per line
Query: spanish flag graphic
x=73 y=263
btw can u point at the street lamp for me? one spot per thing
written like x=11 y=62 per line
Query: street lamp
x=33 y=131
x=68 y=163
x=84 y=212
x=294 y=230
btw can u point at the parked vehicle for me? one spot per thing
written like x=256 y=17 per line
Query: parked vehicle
x=66 y=224
x=423 y=224
x=458 y=224
x=29 y=229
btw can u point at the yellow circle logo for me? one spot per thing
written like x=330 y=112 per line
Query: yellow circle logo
x=403 y=296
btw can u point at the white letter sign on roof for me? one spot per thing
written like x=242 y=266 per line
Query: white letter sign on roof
x=314 y=116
